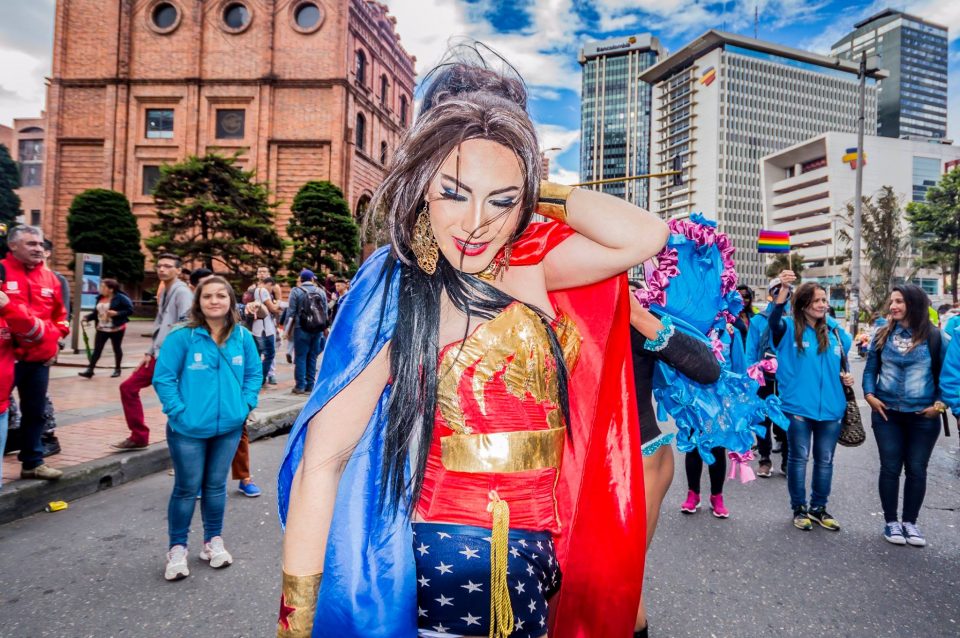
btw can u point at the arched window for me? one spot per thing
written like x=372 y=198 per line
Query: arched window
x=383 y=153
x=361 y=131
x=403 y=110
x=361 y=69
x=384 y=89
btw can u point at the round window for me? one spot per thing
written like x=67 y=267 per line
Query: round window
x=236 y=16
x=165 y=16
x=307 y=15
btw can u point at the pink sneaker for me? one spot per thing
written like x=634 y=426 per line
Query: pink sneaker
x=716 y=504
x=692 y=504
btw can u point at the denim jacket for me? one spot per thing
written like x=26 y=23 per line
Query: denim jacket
x=903 y=380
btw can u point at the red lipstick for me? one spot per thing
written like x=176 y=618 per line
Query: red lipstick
x=471 y=250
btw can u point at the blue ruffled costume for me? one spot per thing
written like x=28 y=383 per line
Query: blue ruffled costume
x=727 y=413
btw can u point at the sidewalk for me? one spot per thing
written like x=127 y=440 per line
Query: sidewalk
x=90 y=418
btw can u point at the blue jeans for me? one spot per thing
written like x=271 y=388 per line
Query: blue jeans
x=4 y=422
x=825 y=435
x=905 y=442
x=199 y=463
x=267 y=349
x=307 y=346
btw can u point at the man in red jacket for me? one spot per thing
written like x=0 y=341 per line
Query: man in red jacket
x=35 y=291
x=12 y=319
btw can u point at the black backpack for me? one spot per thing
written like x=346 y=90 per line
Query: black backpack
x=313 y=316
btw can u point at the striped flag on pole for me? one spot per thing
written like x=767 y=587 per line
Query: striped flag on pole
x=773 y=241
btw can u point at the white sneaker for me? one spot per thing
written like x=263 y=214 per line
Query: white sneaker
x=215 y=552
x=914 y=537
x=176 y=563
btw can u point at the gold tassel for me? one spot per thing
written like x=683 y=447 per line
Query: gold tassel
x=501 y=612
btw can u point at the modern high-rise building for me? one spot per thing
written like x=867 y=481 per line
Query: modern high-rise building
x=809 y=186
x=724 y=101
x=615 y=114
x=912 y=102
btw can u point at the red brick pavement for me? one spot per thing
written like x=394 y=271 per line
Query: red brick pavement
x=89 y=414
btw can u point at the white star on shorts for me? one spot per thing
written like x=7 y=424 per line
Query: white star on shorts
x=532 y=605
x=423 y=549
x=470 y=553
x=424 y=581
x=530 y=569
x=440 y=629
x=443 y=535
x=519 y=625
x=470 y=619
x=472 y=586
x=421 y=612
x=443 y=568
x=519 y=587
x=443 y=600
x=522 y=542
x=514 y=552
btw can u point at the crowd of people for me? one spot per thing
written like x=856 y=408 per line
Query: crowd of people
x=202 y=337
x=475 y=404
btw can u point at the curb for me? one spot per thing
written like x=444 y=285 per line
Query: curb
x=23 y=498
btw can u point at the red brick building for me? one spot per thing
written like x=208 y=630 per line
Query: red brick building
x=303 y=89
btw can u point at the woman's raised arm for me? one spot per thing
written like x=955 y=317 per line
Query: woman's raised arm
x=612 y=236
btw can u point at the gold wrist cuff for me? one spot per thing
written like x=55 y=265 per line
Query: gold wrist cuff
x=552 y=202
x=298 y=605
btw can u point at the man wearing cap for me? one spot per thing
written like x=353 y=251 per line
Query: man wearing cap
x=307 y=344
x=758 y=348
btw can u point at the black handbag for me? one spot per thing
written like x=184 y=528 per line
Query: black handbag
x=852 y=433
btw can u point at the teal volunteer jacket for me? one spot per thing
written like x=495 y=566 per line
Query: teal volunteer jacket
x=207 y=390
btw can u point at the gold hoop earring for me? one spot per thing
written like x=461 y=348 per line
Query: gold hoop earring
x=424 y=243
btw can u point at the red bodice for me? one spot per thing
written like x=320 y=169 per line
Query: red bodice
x=500 y=381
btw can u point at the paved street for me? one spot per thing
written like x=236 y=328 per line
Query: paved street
x=96 y=569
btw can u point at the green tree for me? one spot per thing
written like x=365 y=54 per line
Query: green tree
x=100 y=222
x=779 y=263
x=9 y=181
x=322 y=230
x=935 y=224
x=212 y=211
x=885 y=242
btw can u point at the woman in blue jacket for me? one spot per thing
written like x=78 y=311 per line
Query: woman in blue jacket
x=901 y=384
x=809 y=349
x=207 y=376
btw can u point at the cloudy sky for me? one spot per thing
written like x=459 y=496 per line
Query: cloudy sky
x=540 y=37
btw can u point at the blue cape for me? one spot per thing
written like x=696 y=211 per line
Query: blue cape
x=369 y=582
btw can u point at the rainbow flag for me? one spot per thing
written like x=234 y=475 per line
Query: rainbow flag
x=773 y=241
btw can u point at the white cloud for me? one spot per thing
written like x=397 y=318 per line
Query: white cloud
x=561 y=175
x=553 y=136
x=544 y=54
x=22 y=89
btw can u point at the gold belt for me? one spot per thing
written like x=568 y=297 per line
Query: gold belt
x=503 y=452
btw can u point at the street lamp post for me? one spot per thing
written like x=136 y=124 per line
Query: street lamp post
x=868 y=66
x=858 y=200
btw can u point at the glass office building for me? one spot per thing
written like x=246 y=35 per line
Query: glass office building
x=913 y=100
x=615 y=114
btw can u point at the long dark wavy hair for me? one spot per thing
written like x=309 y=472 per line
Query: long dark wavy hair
x=917 y=316
x=802 y=298
x=466 y=99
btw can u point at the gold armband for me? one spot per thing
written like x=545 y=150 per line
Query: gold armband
x=298 y=605
x=552 y=202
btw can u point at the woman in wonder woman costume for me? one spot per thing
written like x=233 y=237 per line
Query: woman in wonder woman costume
x=471 y=450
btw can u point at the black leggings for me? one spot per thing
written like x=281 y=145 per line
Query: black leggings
x=717 y=471
x=100 y=340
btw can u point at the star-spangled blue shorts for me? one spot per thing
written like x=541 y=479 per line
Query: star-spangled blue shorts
x=453 y=580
